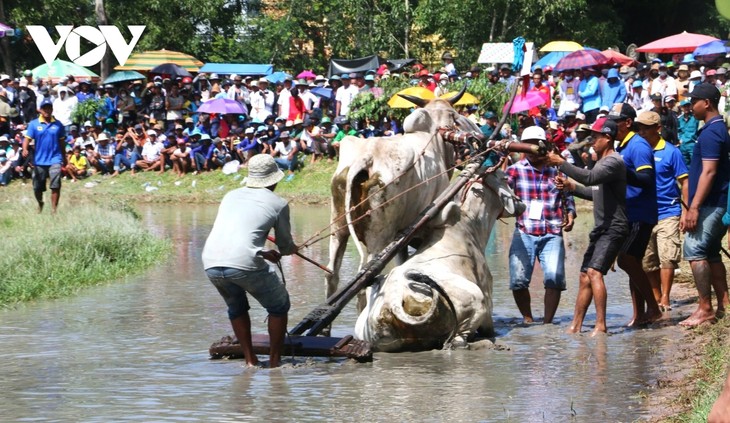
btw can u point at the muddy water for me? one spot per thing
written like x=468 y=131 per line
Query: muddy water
x=137 y=350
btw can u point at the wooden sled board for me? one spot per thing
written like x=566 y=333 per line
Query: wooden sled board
x=303 y=346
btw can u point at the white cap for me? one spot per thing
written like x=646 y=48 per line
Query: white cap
x=533 y=133
x=443 y=76
x=232 y=76
x=214 y=76
x=695 y=74
x=151 y=132
x=87 y=123
x=249 y=130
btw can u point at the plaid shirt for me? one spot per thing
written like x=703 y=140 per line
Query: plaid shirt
x=109 y=150
x=530 y=184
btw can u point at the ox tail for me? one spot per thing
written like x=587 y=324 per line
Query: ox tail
x=356 y=191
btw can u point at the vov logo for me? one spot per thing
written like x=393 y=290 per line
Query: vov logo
x=101 y=37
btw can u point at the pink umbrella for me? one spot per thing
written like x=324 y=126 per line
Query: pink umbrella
x=526 y=102
x=306 y=74
x=580 y=59
x=223 y=106
x=686 y=42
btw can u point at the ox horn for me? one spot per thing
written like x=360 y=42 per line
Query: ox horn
x=415 y=100
x=458 y=96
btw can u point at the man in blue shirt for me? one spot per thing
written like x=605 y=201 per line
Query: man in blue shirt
x=49 y=137
x=688 y=126
x=641 y=210
x=702 y=223
x=589 y=91
x=665 y=247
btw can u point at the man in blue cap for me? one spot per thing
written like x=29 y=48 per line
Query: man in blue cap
x=49 y=137
x=490 y=123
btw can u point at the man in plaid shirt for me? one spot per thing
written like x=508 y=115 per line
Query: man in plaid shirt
x=539 y=230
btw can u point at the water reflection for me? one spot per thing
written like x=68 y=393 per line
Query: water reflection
x=137 y=350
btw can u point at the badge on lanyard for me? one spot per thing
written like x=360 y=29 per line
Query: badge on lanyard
x=535 y=210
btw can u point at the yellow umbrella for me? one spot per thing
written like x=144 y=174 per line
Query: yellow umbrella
x=561 y=46
x=149 y=59
x=465 y=100
x=398 y=102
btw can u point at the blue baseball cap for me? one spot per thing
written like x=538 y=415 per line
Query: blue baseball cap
x=46 y=102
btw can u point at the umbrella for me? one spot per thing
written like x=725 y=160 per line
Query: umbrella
x=223 y=106
x=465 y=100
x=561 y=46
x=550 y=59
x=149 y=59
x=306 y=74
x=121 y=76
x=170 y=69
x=713 y=47
x=59 y=68
x=398 y=102
x=322 y=92
x=619 y=58
x=525 y=102
x=6 y=31
x=686 y=42
x=277 y=77
x=582 y=59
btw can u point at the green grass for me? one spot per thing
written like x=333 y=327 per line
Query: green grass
x=47 y=256
x=310 y=185
x=709 y=375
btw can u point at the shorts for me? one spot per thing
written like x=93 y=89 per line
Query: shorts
x=549 y=250
x=42 y=173
x=603 y=247
x=638 y=239
x=263 y=285
x=705 y=242
x=665 y=247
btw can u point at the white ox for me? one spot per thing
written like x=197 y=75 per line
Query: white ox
x=444 y=290
x=372 y=168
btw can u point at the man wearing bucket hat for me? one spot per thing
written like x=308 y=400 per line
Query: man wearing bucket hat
x=234 y=256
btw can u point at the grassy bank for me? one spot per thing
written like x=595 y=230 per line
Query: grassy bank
x=48 y=256
x=709 y=374
x=310 y=185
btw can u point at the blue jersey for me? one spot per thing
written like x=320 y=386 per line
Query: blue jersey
x=669 y=168
x=641 y=205
x=46 y=136
x=713 y=144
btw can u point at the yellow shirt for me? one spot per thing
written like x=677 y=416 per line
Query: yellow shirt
x=79 y=162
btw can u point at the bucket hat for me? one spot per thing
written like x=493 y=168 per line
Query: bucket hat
x=263 y=172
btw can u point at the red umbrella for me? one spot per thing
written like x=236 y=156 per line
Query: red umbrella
x=686 y=42
x=306 y=74
x=525 y=102
x=581 y=59
x=619 y=58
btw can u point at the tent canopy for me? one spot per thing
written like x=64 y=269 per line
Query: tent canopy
x=238 y=68
x=363 y=64
x=398 y=64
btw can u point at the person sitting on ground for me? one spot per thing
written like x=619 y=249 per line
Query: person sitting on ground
x=181 y=158
x=105 y=152
x=218 y=155
x=234 y=257
x=127 y=155
x=611 y=226
x=248 y=147
x=201 y=152
x=77 y=166
x=5 y=168
x=285 y=154
x=151 y=153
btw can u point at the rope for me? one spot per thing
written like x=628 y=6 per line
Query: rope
x=314 y=239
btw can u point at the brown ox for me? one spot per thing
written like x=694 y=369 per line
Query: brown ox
x=375 y=170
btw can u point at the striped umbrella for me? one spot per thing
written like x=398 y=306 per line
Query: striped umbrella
x=149 y=59
x=580 y=59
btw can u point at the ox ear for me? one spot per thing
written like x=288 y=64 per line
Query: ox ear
x=512 y=205
x=456 y=97
x=418 y=121
x=450 y=214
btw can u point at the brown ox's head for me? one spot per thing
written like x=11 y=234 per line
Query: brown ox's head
x=434 y=114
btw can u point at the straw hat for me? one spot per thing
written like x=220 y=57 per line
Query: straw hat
x=263 y=172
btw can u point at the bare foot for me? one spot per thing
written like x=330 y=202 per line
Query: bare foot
x=527 y=320
x=40 y=207
x=665 y=307
x=598 y=332
x=573 y=329
x=697 y=318
x=633 y=322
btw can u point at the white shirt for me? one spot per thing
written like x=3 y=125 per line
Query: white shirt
x=665 y=86
x=152 y=150
x=569 y=98
x=62 y=109
x=285 y=148
x=283 y=101
x=345 y=96
x=262 y=104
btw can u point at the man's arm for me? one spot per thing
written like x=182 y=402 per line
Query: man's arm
x=643 y=178
x=709 y=170
x=282 y=229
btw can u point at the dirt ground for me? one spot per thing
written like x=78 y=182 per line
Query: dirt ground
x=684 y=356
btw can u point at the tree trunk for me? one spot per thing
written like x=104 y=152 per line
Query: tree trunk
x=494 y=24
x=102 y=20
x=5 y=46
x=504 y=22
x=407 y=34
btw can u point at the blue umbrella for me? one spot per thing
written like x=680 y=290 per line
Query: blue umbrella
x=550 y=59
x=121 y=76
x=713 y=47
x=277 y=77
x=322 y=92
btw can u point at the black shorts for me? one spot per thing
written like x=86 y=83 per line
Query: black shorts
x=42 y=173
x=638 y=239
x=603 y=247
